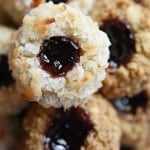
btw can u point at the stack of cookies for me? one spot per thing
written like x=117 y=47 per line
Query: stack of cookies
x=74 y=75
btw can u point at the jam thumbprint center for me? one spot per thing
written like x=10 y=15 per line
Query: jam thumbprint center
x=131 y=104
x=58 y=55
x=68 y=130
x=122 y=39
x=5 y=74
x=57 y=1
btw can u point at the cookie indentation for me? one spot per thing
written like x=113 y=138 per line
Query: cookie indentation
x=5 y=74
x=68 y=130
x=57 y=1
x=124 y=147
x=131 y=104
x=122 y=39
x=58 y=55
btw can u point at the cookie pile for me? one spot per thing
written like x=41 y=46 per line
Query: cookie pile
x=74 y=75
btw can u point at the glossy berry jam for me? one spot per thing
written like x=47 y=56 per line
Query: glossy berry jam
x=68 y=131
x=57 y=1
x=124 y=147
x=58 y=55
x=122 y=39
x=130 y=105
x=5 y=74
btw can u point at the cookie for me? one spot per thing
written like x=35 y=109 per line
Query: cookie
x=18 y=8
x=92 y=126
x=129 y=32
x=60 y=56
x=10 y=102
x=134 y=114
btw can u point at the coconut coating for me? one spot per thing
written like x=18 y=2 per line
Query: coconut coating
x=36 y=84
x=132 y=76
x=17 y=9
x=105 y=133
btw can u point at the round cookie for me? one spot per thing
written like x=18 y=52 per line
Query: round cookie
x=92 y=126
x=60 y=56
x=129 y=32
x=18 y=8
x=10 y=102
x=134 y=114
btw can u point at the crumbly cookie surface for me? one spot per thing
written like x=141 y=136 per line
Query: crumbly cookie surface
x=134 y=114
x=18 y=8
x=105 y=133
x=132 y=75
x=10 y=102
x=48 y=22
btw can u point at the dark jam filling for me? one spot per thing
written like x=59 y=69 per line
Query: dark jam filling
x=122 y=39
x=58 y=55
x=124 y=147
x=57 y=1
x=69 y=130
x=5 y=74
x=130 y=105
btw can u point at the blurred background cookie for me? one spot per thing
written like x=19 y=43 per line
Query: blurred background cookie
x=16 y=9
x=134 y=113
x=10 y=102
x=129 y=31
x=60 y=56
x=92 y=126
